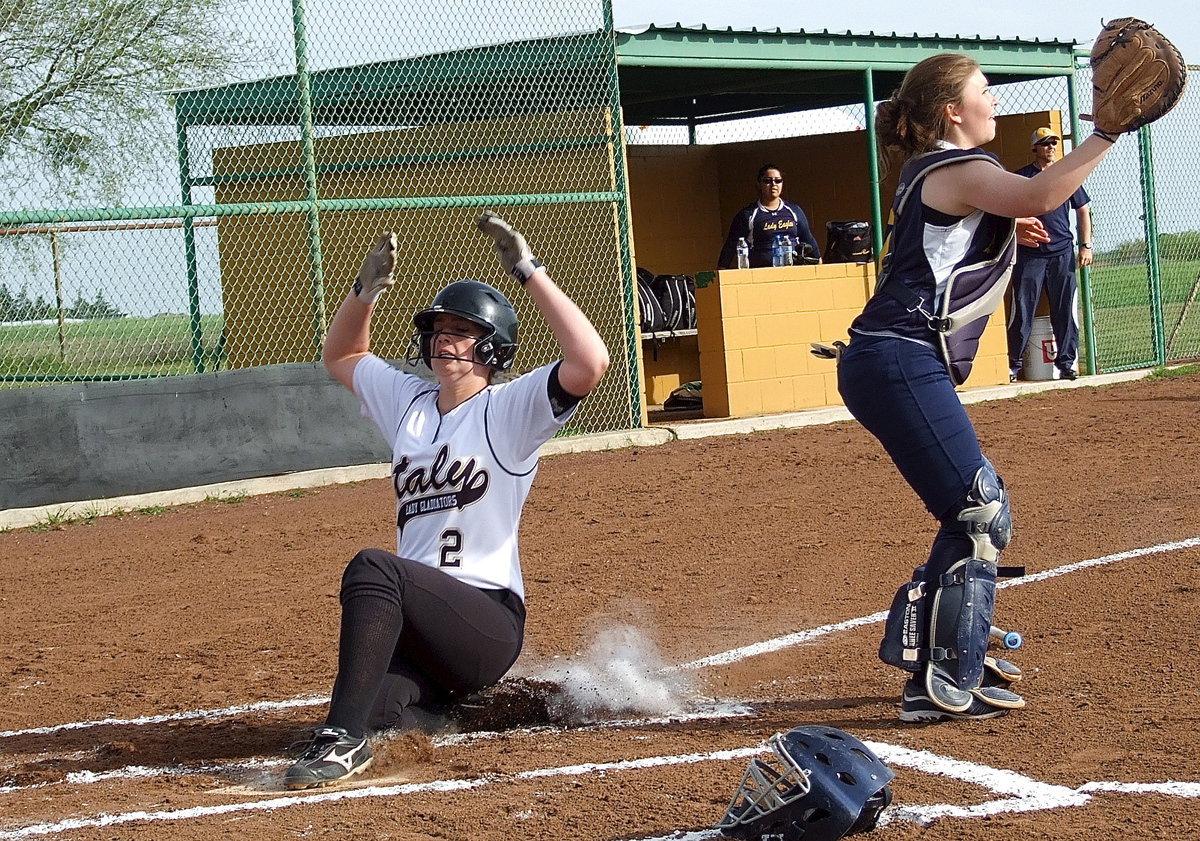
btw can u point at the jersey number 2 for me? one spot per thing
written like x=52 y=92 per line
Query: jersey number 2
x=451 y=547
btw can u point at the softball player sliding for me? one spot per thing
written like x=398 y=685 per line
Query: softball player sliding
x=444 y=615
x=949 y=252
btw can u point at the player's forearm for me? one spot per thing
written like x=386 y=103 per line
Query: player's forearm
x=1084 y=224
x=585 y=356
x=350 y=332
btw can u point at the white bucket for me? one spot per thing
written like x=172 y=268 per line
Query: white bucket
x=1037 y=363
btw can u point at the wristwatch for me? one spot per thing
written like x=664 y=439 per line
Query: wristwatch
x=1086 y=245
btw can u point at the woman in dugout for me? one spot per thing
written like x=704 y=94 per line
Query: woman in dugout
x=761 y=221
x=445 y=614
x=948 y=253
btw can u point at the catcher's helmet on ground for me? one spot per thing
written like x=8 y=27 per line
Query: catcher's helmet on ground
x=820 y=785
x=479 y=303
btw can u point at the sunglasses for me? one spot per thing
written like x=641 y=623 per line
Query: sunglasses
x=1051 y=142
x=771 y=180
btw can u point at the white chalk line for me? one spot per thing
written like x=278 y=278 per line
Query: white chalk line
x=723 y=658
x=1026 y=794
x=273 y=803
x=735 y=654
x=1051 y=796
x=226 y=712
x=78 y=778
x=711 y=712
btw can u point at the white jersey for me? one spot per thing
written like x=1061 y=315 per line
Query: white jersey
x=461 y=479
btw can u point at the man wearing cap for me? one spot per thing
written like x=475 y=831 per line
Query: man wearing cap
x=1050 y=266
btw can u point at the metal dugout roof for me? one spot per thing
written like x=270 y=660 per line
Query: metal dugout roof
x=667 y=75
x=696 y=75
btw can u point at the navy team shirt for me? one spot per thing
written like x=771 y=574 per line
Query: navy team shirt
x=1057 y=222
x=760 y=226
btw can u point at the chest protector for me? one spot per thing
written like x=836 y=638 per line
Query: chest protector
x=974 y=288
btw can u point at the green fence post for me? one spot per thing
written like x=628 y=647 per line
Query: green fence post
x=196 y=328
x=873 y=167
x=304 y=90
x=1085 y=272
x=1150 y=218
x=632 y=333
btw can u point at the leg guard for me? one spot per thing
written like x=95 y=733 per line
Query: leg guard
x=960 y=625
x=964 y=597
x=903 y=644
x=940 y=622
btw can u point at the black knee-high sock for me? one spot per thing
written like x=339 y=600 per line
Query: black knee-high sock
x=370 y=628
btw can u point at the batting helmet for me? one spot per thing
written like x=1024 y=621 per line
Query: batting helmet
x=480 y=304
x=821 y=785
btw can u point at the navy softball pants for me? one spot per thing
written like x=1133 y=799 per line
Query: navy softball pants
x=1056 y=275
x=900 y=391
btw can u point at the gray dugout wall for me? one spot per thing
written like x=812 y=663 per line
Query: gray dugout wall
x=79 y=442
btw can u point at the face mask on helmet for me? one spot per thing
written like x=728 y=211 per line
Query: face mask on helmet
x=480 y=304
x=820 y=784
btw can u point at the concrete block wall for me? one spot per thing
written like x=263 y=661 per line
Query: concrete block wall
x=755 y=326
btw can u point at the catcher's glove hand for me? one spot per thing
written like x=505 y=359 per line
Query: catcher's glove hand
x=1137 y=77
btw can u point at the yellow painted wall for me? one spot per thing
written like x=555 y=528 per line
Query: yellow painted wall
x=754 y=329
x=677 y=219
x=683 y=198
x=266 y=278
x=668 y=363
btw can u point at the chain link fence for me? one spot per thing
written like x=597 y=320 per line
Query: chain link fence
x=232 y=241
x=219 y=222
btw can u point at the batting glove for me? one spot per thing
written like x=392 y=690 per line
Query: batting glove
x=511 y=248
x=375 y=276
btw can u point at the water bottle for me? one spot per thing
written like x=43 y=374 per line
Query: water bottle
x=789 y=247
x=778 y=251
x=743 y=254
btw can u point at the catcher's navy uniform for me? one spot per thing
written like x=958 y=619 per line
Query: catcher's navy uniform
x=1049 y=266
x=760 y=226
x=897 y=376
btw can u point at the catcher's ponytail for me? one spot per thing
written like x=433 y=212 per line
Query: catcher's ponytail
x=914 y=119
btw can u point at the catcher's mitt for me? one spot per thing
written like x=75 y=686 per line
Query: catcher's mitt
x=1137 y=76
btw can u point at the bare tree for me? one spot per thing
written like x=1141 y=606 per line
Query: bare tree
x=82 y=82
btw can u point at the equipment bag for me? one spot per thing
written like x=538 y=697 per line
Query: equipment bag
x=848 y=242
x=676 y=295
x=653 y=319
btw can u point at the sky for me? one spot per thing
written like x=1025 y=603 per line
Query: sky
x=1026 y=19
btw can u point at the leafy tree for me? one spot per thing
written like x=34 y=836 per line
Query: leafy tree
x=82 y=81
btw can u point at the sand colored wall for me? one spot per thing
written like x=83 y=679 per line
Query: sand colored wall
x=683 y=198
x=667 y=364
x=754 y=329
x=272 y=314
x=677 y=218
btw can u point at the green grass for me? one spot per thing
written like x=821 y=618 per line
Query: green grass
x=61 y=518
x=136 y=347
x=1172 y=373
x=1121 y=311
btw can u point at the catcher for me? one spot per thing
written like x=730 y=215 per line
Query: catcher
x=445 y=614
x=950 y=246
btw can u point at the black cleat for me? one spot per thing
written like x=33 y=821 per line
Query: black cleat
x=331 y=757
x=1068 y=374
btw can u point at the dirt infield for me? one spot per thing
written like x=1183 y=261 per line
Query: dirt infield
x=716 y=591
